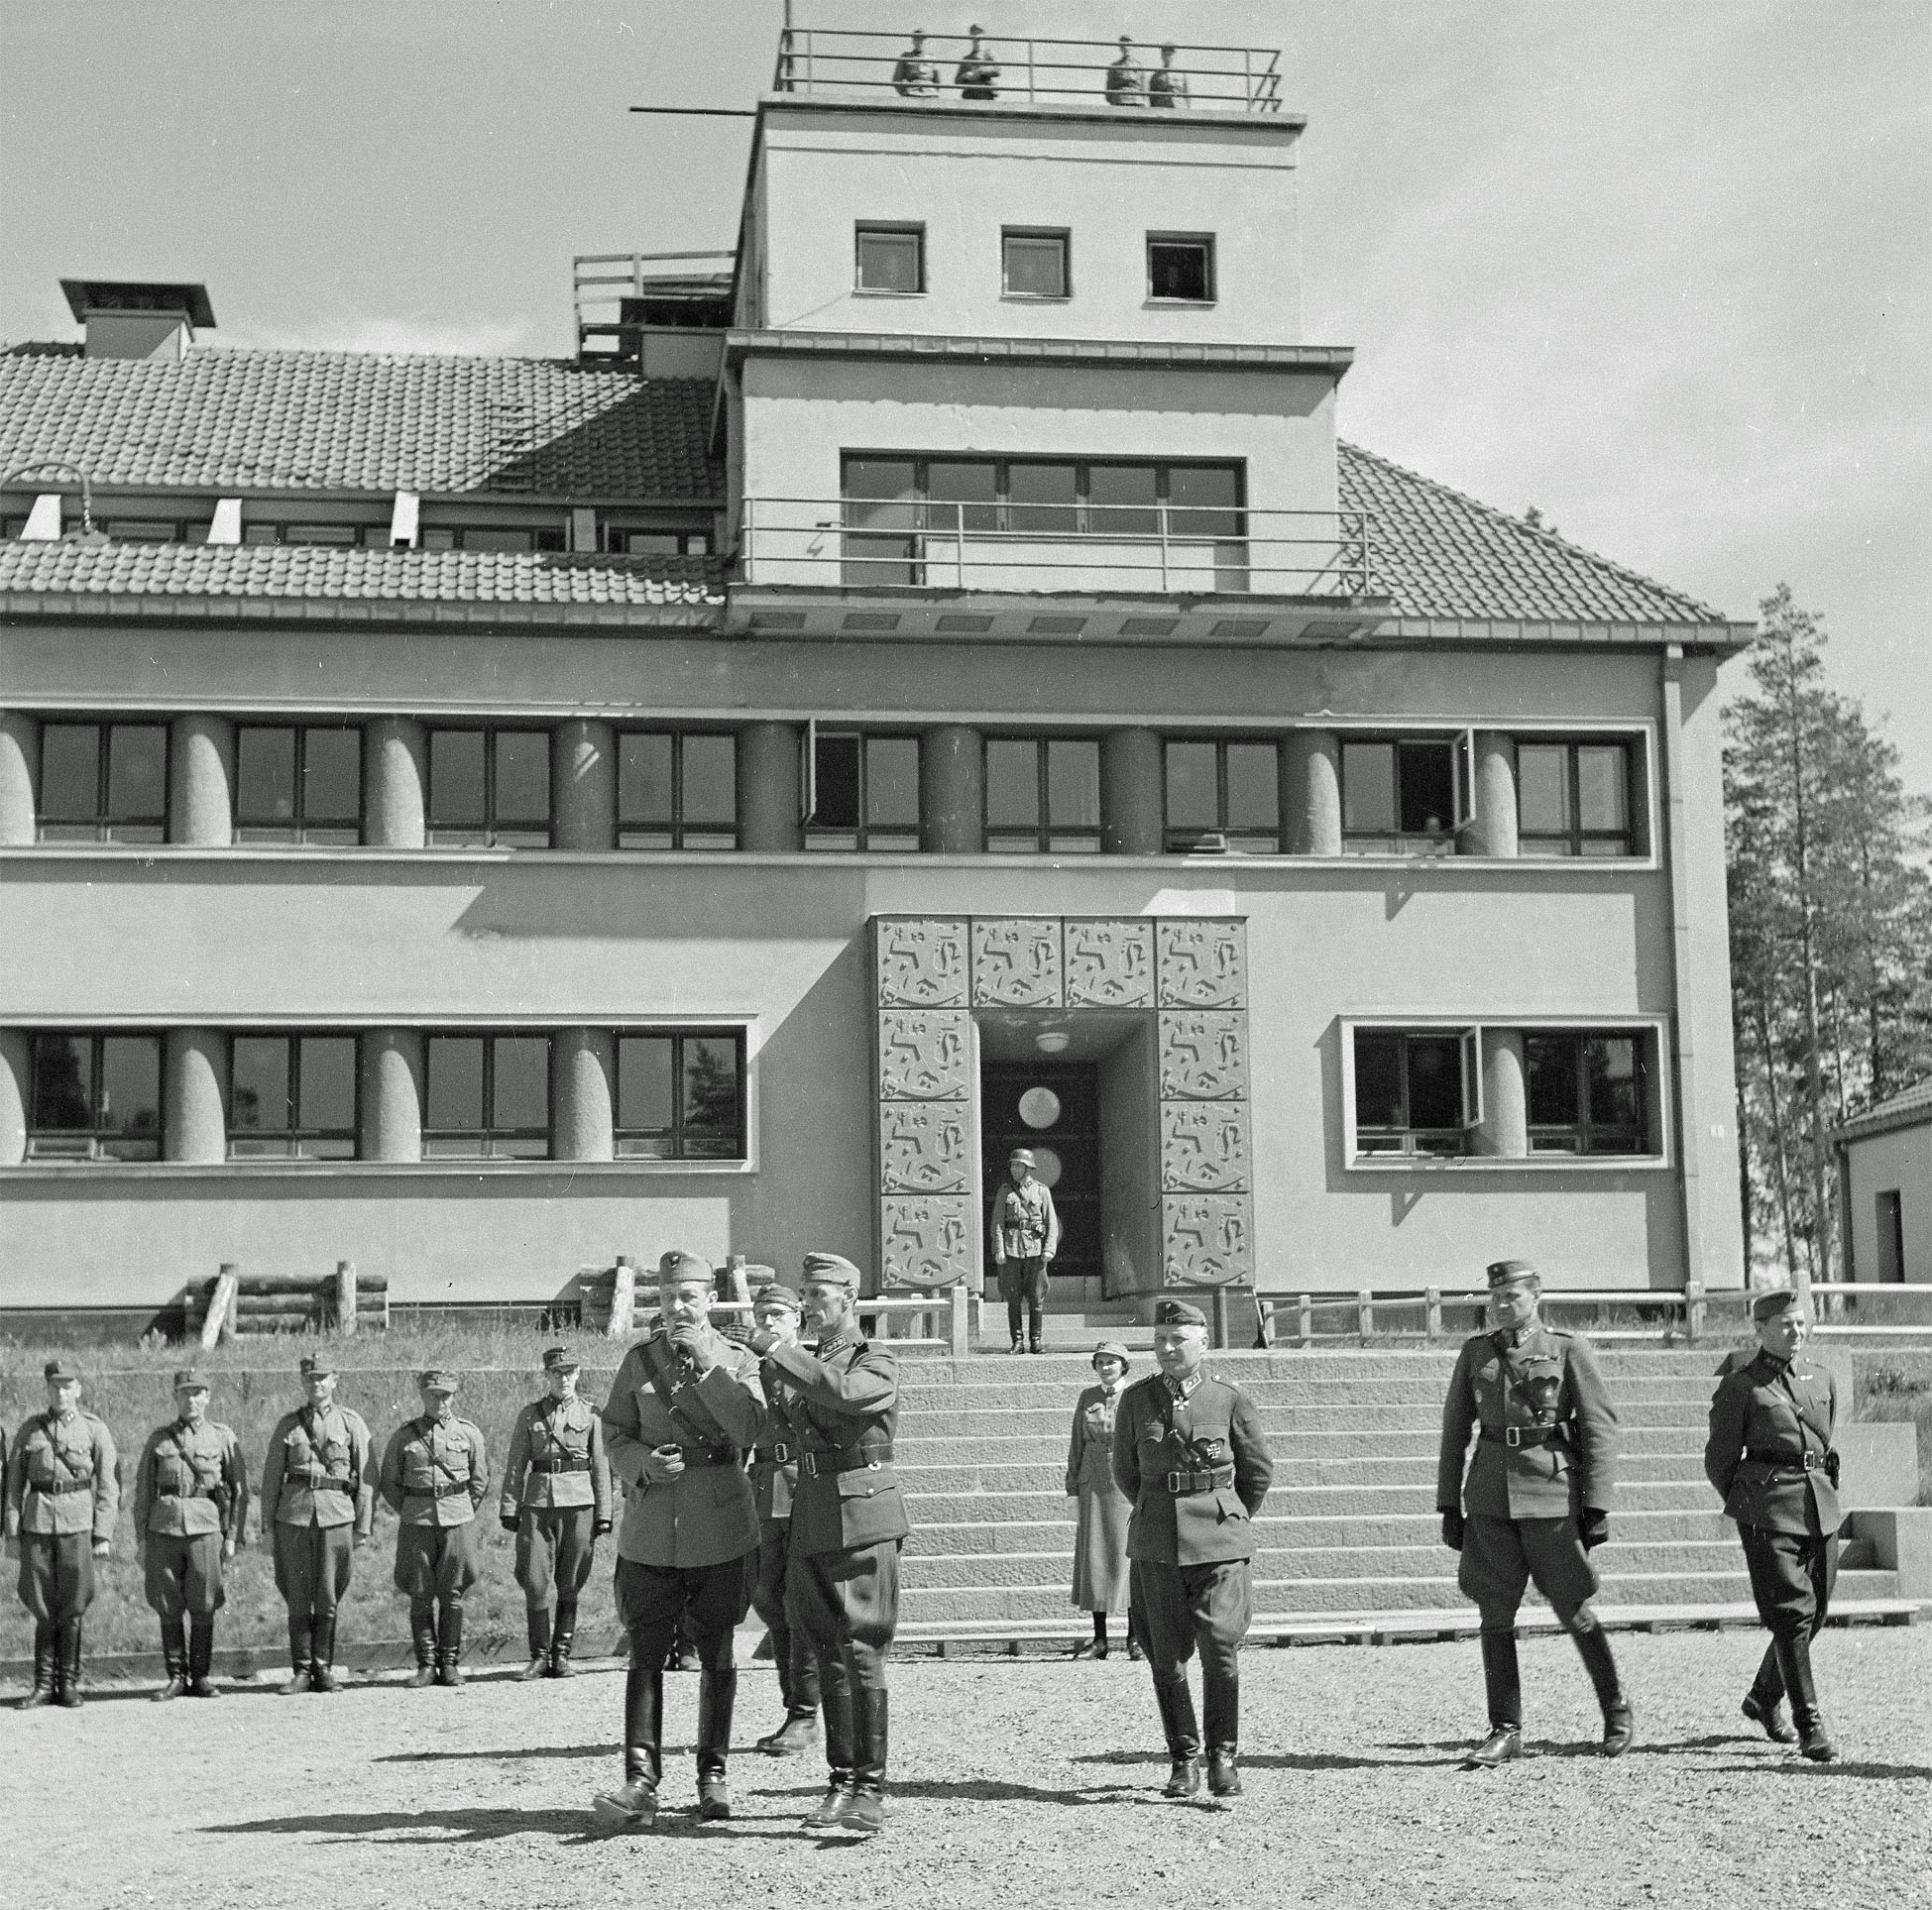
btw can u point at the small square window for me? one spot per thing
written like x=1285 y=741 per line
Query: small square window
x=1181 y=269
x=1033 y=265
x=891 y=258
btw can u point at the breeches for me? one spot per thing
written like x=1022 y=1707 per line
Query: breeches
x=710 y=1599
x=798 y=1671
x=1185 y=1609
x=182 y=1576
x=847 y=1604
x=553 y=1549
x=1023 y=1281
x=56 y=1574
x=434 y=1563
x=311 y=1567
x=1792 y=1578
x=1501 y=1557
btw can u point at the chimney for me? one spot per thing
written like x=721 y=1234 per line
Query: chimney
x=138 y=318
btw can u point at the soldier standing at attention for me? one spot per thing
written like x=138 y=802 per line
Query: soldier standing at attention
x=848 y=1524
x=1101 y=1536
x=1025 y=1238
x=318 y=1499
x=62 y=1498
x=556 y=1498
x=774 y=1483
x=1126 y=84
x=1771 y=1457
x=1537 y=1499
x=978 y=69
x=191 y=1501
x=1166 y=85
x=913 y=74
x=685 y=1408
x=435 y=1477
x=1190 y=1451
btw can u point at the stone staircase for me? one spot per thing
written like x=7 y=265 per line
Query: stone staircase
x=1348 y=1539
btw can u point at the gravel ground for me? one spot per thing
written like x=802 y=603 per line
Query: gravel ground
x=1016 y=1783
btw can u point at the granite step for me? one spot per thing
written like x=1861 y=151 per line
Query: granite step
x=969 y=1501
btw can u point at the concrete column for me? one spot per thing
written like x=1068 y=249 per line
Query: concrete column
x=392 y=1094
x=768 y=787
x=194 y=1096
x=394 y=784
x=584 y=785
x=16 y=1094
x=583 y=1093
x=1492 y=828
x=1132 y=801
x=1505 y=1130
x=1312 y=792
x=952 y=791
x=20 y=775
x=202 y=782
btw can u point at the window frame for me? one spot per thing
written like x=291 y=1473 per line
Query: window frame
x=1576 y=835
x=493 y=825
x=677 y=826
x=829 y=839
x=492 y=1131
x=1181 y=842
x=1049 y=837
x=1063 y=237
x=677 y=1132
x=864 y=229
x=296 y=830
x=1206 y=241
x=88 y=1146
x=104 y=823
x=1408 y=843
x=1583 y=1128
x=296 y=1133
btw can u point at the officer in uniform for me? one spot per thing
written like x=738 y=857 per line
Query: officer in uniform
x=848 y=1524
x=1771 y=1459
x=1025 y=1238
x=1190 y=1451
x=319 y=1500
x=1537 y=1499
x=774 y=1483
x=913 y=73
x=190 y=1505
x=435 y=1474
x=556 y=1498
x=684 y=1410
x=64 y=1494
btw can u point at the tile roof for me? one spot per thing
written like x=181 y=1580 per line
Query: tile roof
x=1443 y=555
x=1913 y=1108
x=271 y=420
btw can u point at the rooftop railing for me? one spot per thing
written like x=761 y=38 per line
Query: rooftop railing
x=952 y=68
x=600 y=283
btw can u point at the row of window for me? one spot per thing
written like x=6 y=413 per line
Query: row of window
x=1035 y=262
x=486 y=1096
x=612 y=538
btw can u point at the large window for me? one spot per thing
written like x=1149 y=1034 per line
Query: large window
x=1225 y=790
x=1399 y=796
x=1574 y=798
x=103 y=783
x=1587 y=1092
x=681 y=1097
x=488 y=1098
x=1043 y=795
x=676 y=790
x=1181 y=266
x=863 y=791
x=1034 y=264
x=890 y=258
x=1416 y=1092
x=95 y=1097
x=292 y=1098
x=490 y=788
x=297 y=784
x=500 y=537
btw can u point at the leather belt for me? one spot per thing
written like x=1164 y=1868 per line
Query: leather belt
x=775 y=1455
x=560 y=1464
x=836 y=1459
x=436 y=1492
x=319 y=1481
x=1185 y=1484
x=65 y=1492
x=710 y=1455
x=1514 y=1437
x=1787 y=1461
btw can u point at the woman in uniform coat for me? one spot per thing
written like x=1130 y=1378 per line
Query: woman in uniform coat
x=1101 y=1536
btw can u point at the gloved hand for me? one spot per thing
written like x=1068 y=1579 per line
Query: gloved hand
x=1452 y=1526
x=1594 y=1527
x=511 y=1521
x=1832 y=1463
x=599 y=1527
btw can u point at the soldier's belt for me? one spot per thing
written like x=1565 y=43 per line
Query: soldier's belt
x=205 y=1494
x=1787 y=1461
x=561 y=1465
x=436 y=1492
x=65 y=1492
x=827 y=1465
x=320 y=1481
x=1184 y=1484
x=1514 y=1437
x=775 y=1455
x=710 y=1455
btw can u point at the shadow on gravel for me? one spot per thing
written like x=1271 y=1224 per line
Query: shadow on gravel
x=1294 y=1760
x=500 y=1756
x=1796 y=1766
x=429 y=1827
x=978 y=1790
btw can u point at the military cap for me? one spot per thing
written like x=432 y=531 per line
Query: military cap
x=1505 y=1273
x=1111 y=1350
x=314 y=1366
x=1022 y=1154
x=187 y=1380
x=1177 y=1312
x=435 y=1379
x=778 y=1294
x=560 y=1359
x=832 y=1270
x=60 y=1369
x=676 y=1266
x=1769 y=1306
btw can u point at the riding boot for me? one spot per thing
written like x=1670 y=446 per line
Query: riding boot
x=174 y=1658
x=562 y=1639
x=1222 y=1708
x=537 y=1620
x=1619 y=1720
x=632 y=1806
x=449 y=1648
x=423 y=1637
x=840 y=1756
x=321 y=1668
x=1504 y=1686
x=1814 y=1739
x=1176 y=1706
x=865 y=1814
x=201 y=1657
x=1014 y=1330
x=716 y=1695
x=67 y=1666
x=301 y=1656
x=1036 y=1329
x=45 y=1656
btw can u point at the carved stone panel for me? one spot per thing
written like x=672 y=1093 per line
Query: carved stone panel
x=926 y=1242
x=1204 y=1056
x=925 y=1057
x=1111 y=964
x=925 y=1146
x=1203 y=964
x=922 y=963
x=1205 y=1147
x=1016 y=961
x=1207 y=1239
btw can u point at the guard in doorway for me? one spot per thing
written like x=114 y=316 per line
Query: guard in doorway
x=1025 y=1238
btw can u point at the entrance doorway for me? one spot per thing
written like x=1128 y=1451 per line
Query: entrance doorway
x=1053 y=1108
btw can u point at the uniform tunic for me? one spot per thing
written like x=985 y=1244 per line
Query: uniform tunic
x=1101 y=1534
x=1025 y=1229
x=557 y=1486
x=774 y=1483
x=319 y=1500
x=190 y=1492
x=64 y=1496
x=435 y=1474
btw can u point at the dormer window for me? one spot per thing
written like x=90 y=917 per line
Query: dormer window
x=891 y=258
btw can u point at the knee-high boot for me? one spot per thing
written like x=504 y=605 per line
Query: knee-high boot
x=174 y=1658
x=1220 y=1699
x=1502 y=1686
x=201 y=1657
x=67 y=1666
x=865 y=1814
x=1794 y=1660
x=537 y=1620
x=422 y=1640
x=716 y=1696
x=46 y=1655
x=321 y=1669
x=1619 y=1720
x=632 y=1806
x=840 y=1756
x=301 y=1648
x=449 y=1646
x=1183 y=1733
x=562 y=1637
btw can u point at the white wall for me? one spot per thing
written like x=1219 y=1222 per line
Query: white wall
x=1900 y=1159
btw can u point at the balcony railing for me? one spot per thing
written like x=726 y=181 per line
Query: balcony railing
x=949 y=68
x=1152 y=549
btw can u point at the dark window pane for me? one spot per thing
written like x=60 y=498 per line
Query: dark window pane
x=319 y=534
x=329 y=1083
x=523 y=1085
x=1378 y=1080
x=264 y=776
x=1603 y=786
x=1193 y=801
x=1043 y=497
x=1429 y=788
x=645 y=1084
x=1550 y=1062
x=456 y=777
x=69 y=773
x=1179 y=268
x=893 y=782
x=645 y=778
x=260 y=1075
x=973 y=486
x=1203 y=500
x=837 y=777
x=711 y=780
x=137 y=771
x=710 y=1084
x=131 y=1085
x=522 y=776
x=650 y=543
x=1035 y=265
x=332 y=776
x=1074 y=784
x=62 y=1081
x=1121 y=499
x=1615 y=1100
x=1542 y=788
x=889 y=260
x=1253 y=799
x=454 y=1064
x=1012 y=783
x=1368 y=782
x=1434 y=1081
x=480 y=539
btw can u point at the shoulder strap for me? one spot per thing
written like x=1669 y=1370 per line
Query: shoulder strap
x=1821 y=1434
x=660 y=1384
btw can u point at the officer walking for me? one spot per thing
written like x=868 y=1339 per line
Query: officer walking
x=1190 y=1451
x=774 y=1485
x=556 y=1498
x=685 y=1408
x=435 y=1475
x=63 y=1497
x=1537 y=1499
x=1771 y=1457
x=319 y=1500
x=1025 y=1238
x=190 y=1505
x=848 y=1524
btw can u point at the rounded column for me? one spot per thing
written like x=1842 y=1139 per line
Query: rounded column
x=16 y=1094
x=395 y=783
x=1505 y=1129
x=194 y=1096
x=584 y=785
x=392 y=1094
x=200 y=782
x=1312 y=792
x=1492 y=828
x=768 y=788
x=1132 y=802
x=20 y=776
x=583 y=1093
x=952 y=791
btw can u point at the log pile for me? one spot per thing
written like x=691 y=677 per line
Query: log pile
x=287 y=1304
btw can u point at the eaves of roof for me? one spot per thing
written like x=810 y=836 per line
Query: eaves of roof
x=1331 y=359
x=1913 y=1108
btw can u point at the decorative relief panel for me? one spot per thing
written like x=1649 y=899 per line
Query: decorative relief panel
x=925 y=1146
x=1205 y=1147
x=1203 y=964
x=1207 y=1239
x=922 y=963
x=1016 y=961
x=1111 y=964
x=1204 y=1056
x=926 y=1242
x=924 y=1057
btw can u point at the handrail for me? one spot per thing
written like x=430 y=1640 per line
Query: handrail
x=632 y=282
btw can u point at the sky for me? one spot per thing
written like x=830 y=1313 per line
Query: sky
x=1662 y=271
